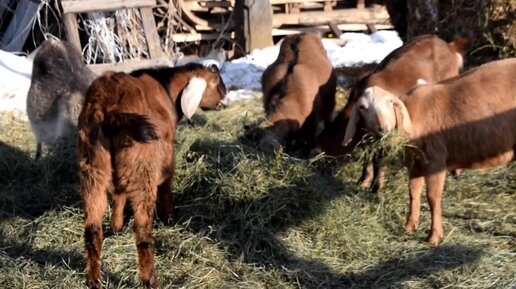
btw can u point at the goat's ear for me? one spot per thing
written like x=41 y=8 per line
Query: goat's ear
x=192 y=95
x=403 y=122
x=213 y=68
x=352 y=126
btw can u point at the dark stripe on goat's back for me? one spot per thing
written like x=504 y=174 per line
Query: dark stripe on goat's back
x=280 y=90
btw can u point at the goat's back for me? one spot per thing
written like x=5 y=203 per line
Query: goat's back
x=427 y=57
x=469 y=118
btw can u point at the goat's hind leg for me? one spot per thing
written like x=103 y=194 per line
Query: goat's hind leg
x=117 y=211
x=144 y=204
x=95 y=203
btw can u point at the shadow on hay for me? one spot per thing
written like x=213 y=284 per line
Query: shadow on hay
x=247 y=227
x=67 y=260
x=30 y=188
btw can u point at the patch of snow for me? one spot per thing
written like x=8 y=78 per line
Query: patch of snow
x=15 y=73
x=239 y=75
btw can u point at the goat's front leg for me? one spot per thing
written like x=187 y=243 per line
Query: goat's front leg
x=143 y=207
x=415 y=187
x=434 y=191
x=378 y=172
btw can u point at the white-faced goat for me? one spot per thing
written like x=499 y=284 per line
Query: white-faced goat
x=426 y=59
x=126 y=149
x=464 y=122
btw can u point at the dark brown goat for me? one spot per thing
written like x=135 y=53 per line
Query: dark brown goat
x=298 y=91
x=467 y=121
x=426 y=59
x=126 y=148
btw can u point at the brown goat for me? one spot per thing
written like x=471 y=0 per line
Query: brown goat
x=126 y=148
x=463 y=122
x=428 y=59
x=298 y=91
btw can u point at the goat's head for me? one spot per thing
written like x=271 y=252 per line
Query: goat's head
x=205 y=89
x=381 y=112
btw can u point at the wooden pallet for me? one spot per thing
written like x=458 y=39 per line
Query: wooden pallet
x=71 y=8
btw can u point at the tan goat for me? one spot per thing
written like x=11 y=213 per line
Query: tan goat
x=298 y=92
x=427 y=59
x=126 y=148
x=464 y=122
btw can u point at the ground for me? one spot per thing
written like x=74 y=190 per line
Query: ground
x=245 y=219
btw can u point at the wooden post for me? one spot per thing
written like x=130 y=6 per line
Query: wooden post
x=422 y=18
x=253 y=24
x=71 y=29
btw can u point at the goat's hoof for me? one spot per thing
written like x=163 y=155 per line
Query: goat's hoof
x=314 y=152
x=433 y=240
x=116 y=226
x=94 y=284
x=270 y=144
x=151 y=283
x=410 y=227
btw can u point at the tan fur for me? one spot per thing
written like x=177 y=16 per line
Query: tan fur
x=427 y=58
x=126 y=148
x=463 y=122
x=297 y=102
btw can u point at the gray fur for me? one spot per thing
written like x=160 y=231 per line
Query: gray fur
x=56 y=94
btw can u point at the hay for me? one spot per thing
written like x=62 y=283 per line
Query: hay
x=245 y=219
x=492 y=25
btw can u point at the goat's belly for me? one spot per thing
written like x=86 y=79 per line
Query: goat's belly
x=489 y=162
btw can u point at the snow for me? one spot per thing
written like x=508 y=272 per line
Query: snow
x=242 y=76
x=15 y=72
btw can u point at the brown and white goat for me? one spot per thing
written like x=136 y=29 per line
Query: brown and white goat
x=426 y=59
x=464 y=122
x=298 y=91
x=59 y=81
x=126 y=148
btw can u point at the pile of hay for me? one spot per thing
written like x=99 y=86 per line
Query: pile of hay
x=492 y=24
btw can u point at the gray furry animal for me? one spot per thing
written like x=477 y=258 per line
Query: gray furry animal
x=59 y=81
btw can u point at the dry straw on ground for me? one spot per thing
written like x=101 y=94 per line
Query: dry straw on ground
x=245 y=219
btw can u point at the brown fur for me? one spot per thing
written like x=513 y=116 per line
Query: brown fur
x=428 y=57
x=463 y=122
x=298 y=91
x=126 y=148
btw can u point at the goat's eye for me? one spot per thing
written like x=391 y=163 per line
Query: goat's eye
x=362 y=107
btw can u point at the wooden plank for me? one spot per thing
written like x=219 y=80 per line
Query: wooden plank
x=130 y=65
x=151 y=32
x=71 y=30
x=325 y=28
x=84 y=6
x=277 y=2
x=352 y=15
x=361 y=4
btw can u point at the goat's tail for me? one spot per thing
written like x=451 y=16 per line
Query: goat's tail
x=459 y=44
x=135 y=126
x=102 y=115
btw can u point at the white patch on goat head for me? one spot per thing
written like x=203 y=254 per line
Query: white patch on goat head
x=377 y=110
x=192 y=95
x=421 y=81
